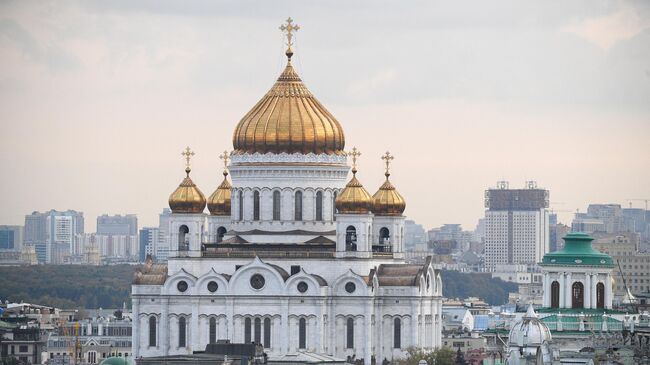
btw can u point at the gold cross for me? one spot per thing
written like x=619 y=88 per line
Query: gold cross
x=387 y=159
x=289 y=28
x=354 y=153
x=187 y=153
x=225 y=157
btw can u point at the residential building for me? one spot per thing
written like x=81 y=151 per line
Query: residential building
x=150 y=242
x=11 y=238
x=415 y=236
x=516 y=225
x=117 y=225
x=634 y=265
x=53 y=234
x=117 y=236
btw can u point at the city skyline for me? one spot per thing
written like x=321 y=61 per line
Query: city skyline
x=487 y=101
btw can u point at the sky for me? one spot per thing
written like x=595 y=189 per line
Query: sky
x=99 y=98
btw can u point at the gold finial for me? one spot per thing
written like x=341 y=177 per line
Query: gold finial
x=289 y=28
x=225 y=156
x=354 y=153
x=387 y=157
x=187 y=154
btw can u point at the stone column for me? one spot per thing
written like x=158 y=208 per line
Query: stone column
x=379 y=333
x=135 y=335
x=587 y=292
x=547 y=292
x=230 y=320
x=594 y=282
x=608 y=291
x=163 y=335
x=414 y=324
x=195 y=341
x=560 y=279
x=285 y=324
x=567 y=300
x=368 y=338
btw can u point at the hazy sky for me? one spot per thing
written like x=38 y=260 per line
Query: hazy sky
x=98 y=98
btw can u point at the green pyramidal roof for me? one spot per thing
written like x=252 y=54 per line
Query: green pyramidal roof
x=577 y=251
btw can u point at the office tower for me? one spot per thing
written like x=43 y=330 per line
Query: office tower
x=517 y=225
x=53 y=234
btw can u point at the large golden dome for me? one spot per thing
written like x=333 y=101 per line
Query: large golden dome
x=387 y=200
x=354 y=199
x=289 y=119
x=219 y=201
x=187 y=198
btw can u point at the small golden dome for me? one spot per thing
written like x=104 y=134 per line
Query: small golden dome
x=289 y=119
x=187 y=198
x=354 y=199
x=387 y=200
x=219 y=201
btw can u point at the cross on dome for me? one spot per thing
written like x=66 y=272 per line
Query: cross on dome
x=288 y=29
x=187 y=154
x=225 y=156
x=387 y=157
x=355 y=153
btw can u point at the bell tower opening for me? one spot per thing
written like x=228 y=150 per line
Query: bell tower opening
x=221 y=232
x=183 y=238
x=350 y=238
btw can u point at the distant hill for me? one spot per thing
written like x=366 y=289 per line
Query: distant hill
x=91 y=287
x=462 y=285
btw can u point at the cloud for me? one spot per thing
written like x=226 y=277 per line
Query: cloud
x=606 y=31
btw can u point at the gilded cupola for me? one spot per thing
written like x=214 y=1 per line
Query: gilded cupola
x=289 y=119
x=354 y=199
x=219 y=201
x=187 y=198
x=387 y=200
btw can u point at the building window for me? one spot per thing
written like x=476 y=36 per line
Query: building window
x=182 y=331
x=577 y=290
x=397 y=334
x=247 y=330
x=183 y=238
x=384 y=236
x=302 y=333
x=349 y=343
x=276 y=205
x=221 y=232
x=256 y=205
x=600 y=295
x=213 y=330
x=555 y=295
x=350 y=238
x=267 y=333
x=258 y=330
x=152 y=331
x=297 y=211
x=319 y=206
x=241 y=205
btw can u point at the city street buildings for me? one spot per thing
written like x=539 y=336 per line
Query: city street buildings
x=53 y=234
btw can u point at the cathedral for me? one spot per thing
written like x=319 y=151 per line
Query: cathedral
x=294 y=254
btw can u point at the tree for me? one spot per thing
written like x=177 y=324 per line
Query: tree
x=441 y=356
x=460 y=359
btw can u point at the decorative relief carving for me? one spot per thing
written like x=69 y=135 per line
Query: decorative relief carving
x=287 y=158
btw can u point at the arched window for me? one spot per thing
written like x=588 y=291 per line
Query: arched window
x=183 y=238
x=334 y=210
x=349 y=343
x=182 y=331
x=298 y=206
x=256 y=205
x=258 y=330
x=221 y=231
x=577 y=297
x=247 y=330
x=213 y=330
x=241 y=205
x=600 y=295
x=350 y=238
x=397 y=333
x=384 y=236
x=267 y=333
x=555 y=295
x=302 y=334
x=319 y=206
x=152 y=331
x=276 y=205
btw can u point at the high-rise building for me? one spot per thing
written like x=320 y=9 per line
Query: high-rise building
x=11 y=238
x=162 y=248
x=53 y=234
x=516 y=225
x=149 y=242
x=415 y=237
x=117 y=225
